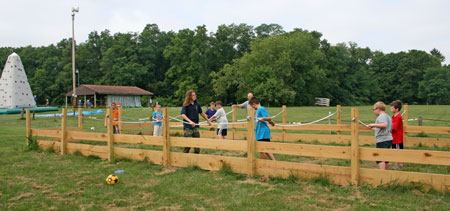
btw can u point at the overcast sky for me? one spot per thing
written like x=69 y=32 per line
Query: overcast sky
x=389 y=25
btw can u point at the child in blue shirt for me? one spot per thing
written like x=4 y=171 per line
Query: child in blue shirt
x=157 y=118
x=262 y=131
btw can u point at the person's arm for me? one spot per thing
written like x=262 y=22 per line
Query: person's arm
x=215 y=116
x=188 y=120
x=268 y=119
x=379 y=125
x=206 y=118
x=154 y=119
x=106 y=117
x=395 y=124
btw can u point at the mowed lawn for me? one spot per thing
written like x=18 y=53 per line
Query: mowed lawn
x=31 y=179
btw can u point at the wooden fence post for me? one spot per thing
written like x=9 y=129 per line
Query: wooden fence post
x=405 y=122
x=233 y=114
x=338 y=107
x=80 y=118
x=355 y=148
x=166 y=138
x=64 y=131
x=419 y=121
x=284 y=122
x=110 y=135
x=120 y=120
x=28 y=124
x=251 y=143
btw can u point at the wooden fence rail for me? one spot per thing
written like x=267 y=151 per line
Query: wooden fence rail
x=251 y=165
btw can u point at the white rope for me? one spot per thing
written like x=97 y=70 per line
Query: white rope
x=309 y=123
x=133 y=122
x=409 y=120
x=365 y=125
x=202 y=123
x=273 y=117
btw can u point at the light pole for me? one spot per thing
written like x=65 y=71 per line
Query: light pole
x=74 y=94
x=78 y=77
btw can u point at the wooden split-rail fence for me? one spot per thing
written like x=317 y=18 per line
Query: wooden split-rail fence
x=64 y=140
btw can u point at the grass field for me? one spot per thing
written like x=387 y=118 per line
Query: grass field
x=31 y=179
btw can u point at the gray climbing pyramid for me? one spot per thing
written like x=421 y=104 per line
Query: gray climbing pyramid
x=15 y=91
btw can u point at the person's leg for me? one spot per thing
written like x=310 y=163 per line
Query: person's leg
x=270 y=155
x=187 y=133
x=196 y=134
x=382 y=165
x=115 y=129
x=394 y=146
x=400 y=146
x=155 y=130
x=224 y=133
x=160 y=131
x=263 y=155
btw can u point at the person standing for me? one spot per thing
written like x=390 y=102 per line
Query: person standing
x=245 y=104
x=221 y=117
x=157 y=118
x=211 y=110
x=190 y=113
x=383 y=126
x=397 y=128
x=115 y=113
x=262 y=131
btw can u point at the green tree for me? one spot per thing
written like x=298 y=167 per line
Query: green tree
x=189 y=65
x=435 y=86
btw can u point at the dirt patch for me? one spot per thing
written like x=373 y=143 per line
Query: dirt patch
x=310 y=189
x=85 y=206
x=298 y=198
x=199 y=208
x=58 y=198
x=39 y=187
x=25 y=179
x=253 y=182
x=73 y=193
x=81 y=182
x=22 y=196
x=113 y=207
x=432 y=200
x=176 y=207
x=166 y=171
x=417 y=192
x=147 y=196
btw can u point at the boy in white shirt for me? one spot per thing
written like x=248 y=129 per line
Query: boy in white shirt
x=221 y=118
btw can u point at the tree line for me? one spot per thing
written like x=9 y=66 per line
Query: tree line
x=280 y=67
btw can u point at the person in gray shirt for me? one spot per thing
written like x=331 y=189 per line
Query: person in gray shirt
x=382 y=126
x=221 y=117
x=245 y=104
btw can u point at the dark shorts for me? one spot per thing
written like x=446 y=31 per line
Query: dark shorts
x=384 y=145
x=222 y=132
x=397 y=146
x=266 y=140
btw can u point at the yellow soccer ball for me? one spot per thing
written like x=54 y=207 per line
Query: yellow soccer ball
x=112 y=179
